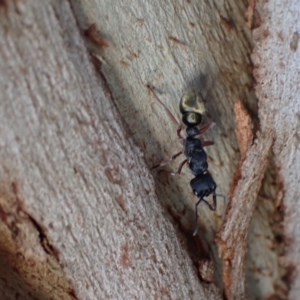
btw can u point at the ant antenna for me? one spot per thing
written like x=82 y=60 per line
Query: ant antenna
x=212 y=207
x=224 y=203
x=196 y=211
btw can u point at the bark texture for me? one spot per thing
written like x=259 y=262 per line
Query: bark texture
x=81 y=217
x=277 y=71
x=74 y=187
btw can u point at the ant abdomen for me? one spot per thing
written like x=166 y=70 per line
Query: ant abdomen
x=192 y=107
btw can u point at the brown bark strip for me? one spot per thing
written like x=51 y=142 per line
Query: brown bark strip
x=243 y=129
x=232 y=238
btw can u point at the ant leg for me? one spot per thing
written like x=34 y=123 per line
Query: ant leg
x=169 y=113
x=179 y=134
x=207 y=143
x=210 y=117
x=206 y=127
x=196 y=212
x=167 y=110
x=166 y=161
x=179 y=169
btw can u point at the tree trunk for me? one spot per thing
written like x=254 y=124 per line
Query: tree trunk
x=81 y=216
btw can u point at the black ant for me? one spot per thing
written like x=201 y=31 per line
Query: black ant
x=192 y=108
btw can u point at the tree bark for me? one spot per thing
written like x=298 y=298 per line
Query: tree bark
x=79 y=213
x=81 y=216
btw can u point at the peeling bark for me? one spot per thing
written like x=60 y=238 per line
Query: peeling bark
x=77 y=201
x=232 y=238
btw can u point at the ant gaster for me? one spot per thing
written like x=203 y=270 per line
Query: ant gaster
x=192 y=108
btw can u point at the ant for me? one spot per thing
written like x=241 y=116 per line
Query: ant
x=192 y=108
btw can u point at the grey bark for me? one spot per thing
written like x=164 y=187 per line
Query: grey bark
x=77 y=200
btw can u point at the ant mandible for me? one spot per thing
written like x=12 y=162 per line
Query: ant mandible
x=192 y=108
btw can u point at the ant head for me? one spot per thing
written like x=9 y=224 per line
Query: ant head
x=192 y=107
